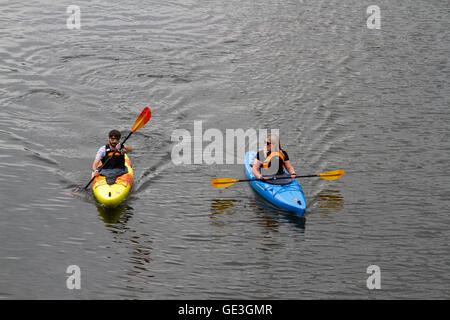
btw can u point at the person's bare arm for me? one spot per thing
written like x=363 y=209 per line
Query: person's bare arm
x=95 y=164
x=255 y=169
x=289 y=168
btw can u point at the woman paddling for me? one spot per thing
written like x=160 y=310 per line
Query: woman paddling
x=273 y=157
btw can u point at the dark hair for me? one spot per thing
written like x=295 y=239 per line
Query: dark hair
x=114 y=133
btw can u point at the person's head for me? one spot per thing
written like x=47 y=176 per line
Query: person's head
x=114 y=137
x=273 y=143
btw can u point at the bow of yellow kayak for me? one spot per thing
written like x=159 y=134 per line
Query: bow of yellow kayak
x=113 y=195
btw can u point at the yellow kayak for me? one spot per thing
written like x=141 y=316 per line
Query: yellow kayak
x=113 y=195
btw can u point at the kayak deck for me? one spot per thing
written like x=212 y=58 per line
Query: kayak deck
x=113 y=195
x=289 y=197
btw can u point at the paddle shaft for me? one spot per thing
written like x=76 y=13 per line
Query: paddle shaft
x=277 y=178
x=226 y=182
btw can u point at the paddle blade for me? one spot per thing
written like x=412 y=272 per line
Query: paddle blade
x=223 y=183
x=332 y=175
x=142 y=119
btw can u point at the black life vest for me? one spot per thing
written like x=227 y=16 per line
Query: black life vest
x=117 y=160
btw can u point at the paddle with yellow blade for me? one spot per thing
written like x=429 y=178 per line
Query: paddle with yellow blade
x=226 y=182
x=138 y=124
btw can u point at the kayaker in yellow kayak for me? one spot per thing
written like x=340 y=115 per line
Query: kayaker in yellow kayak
x=116 y=165
x=273 y=157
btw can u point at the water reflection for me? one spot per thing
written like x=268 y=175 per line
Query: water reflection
x=112 y=216
x=219 y=208
x=328 y=200
x=138 y=245
x=272 y=217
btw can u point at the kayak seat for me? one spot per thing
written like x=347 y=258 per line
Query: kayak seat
x=112 y=174
x=280 y=182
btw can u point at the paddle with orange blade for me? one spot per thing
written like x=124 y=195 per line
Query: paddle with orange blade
x=138 y=124
x=226 y=182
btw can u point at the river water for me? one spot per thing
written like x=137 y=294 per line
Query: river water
x=374 y=102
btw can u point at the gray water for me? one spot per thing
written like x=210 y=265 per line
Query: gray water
x=374 y=102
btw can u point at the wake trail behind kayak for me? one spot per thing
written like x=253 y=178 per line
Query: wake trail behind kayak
x=152 y=173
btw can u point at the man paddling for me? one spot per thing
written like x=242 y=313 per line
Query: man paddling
x=138 y=124
x=115 y=151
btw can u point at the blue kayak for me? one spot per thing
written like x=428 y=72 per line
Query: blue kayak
x=288 y=197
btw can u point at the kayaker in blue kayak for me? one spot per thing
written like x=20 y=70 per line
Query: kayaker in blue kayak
x=273 y=157
x=116 y=165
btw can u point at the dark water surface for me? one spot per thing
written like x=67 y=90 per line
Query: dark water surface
x=372 y=102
